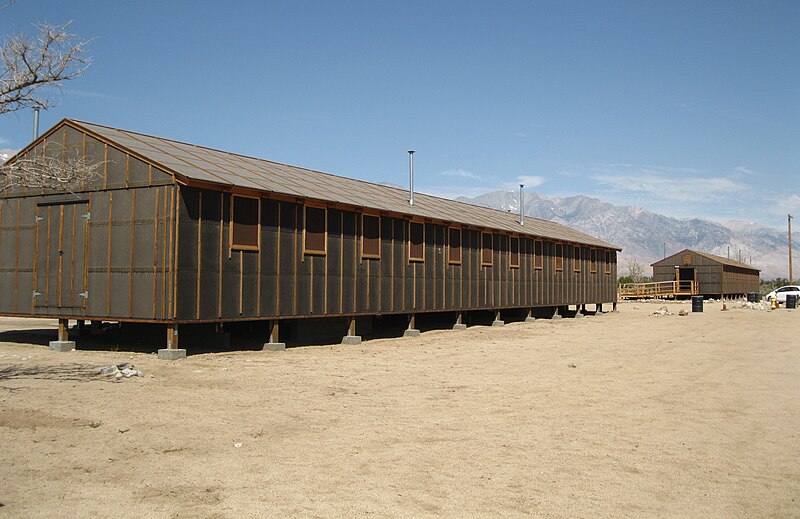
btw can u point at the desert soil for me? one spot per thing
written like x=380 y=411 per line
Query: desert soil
x=621 y=415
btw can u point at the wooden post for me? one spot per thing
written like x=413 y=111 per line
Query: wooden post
x=273 y=332
x=172 y=337
x=274 y=337
x=173 y=350
x=530 y=318
x=63 y=343
x=351 y=337
x=497 y=321
x=459 y=322
x=411 y=331
x=63 y=330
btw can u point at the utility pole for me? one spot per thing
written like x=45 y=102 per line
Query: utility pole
x=791 y=279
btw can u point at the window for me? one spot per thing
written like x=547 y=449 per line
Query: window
x=370 y=236
x=315 y=233
x=486 y=249
x=559 y=257
x=244 y=222
x=608 y=262
x=454 y=245
x=513 y=252
x=416 y=241
x=538 y=261
x=593 y=261
x=577 y=259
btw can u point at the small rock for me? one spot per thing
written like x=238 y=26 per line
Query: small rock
x=571 y=365
x=109 y=370
x=238 y=445
x=683 y=312
x=94 y=425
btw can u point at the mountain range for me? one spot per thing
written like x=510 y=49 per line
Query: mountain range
x=646 y=237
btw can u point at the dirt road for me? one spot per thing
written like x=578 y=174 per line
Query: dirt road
x=621 y=415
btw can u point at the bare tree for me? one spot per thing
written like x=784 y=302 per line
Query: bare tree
x=62 y=169
x=635 y=270
x=30 y=66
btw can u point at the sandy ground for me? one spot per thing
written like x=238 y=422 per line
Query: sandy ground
x=619 y=415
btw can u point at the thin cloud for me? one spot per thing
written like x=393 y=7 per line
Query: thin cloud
x=682 y=190
x=92 y=95
x=744 y=170
x=462 y=173
x=650 y=168
x=668 y=183
x=789 y=204
x=530 y=181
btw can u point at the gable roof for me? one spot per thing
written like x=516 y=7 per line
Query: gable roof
x=713 y=257
x=189 y=162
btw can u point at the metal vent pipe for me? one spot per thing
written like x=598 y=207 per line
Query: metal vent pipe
x=410 y=177
x=522 y=204
x=36 y=123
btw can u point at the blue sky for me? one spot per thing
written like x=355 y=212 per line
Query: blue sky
x=690 y=109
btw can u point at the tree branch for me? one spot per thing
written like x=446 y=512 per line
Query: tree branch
x=30 y=66
x=65 y=169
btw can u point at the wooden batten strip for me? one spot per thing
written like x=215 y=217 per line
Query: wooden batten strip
x=341 y=261
x=35 y=277
x=258 y=259
x=155 y=254
x=199 y=250
x=72 y=257
x=59 y=301
x=241 y=282
x=105 y=166
x=86 y=230
x=392 y=267
x=175 y=249
x=47 y=259
x=16 y=258
x=221 y=233
x=133 y=242
x=278 y=265
x=355 y=265
x=164 y=249
x=297 y=209
x=108 y=252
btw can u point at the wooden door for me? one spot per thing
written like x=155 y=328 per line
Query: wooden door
x=60 y=257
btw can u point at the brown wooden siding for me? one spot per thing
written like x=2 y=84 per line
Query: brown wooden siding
x=140 y=247
x=102 y=252
x=714 y=278
x=280 y=281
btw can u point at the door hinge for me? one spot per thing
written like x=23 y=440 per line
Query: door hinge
x=84 y=295
x=35 y=293
x=39 y=218
x=88 y=216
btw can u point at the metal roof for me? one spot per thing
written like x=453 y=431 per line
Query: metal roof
x=713 y=257
x=192 y=162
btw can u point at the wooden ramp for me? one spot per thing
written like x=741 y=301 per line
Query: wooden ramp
x=658 y=289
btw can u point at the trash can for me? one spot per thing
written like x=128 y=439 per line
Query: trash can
x=791 y=301
x=697 y=303
x=753 y=297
